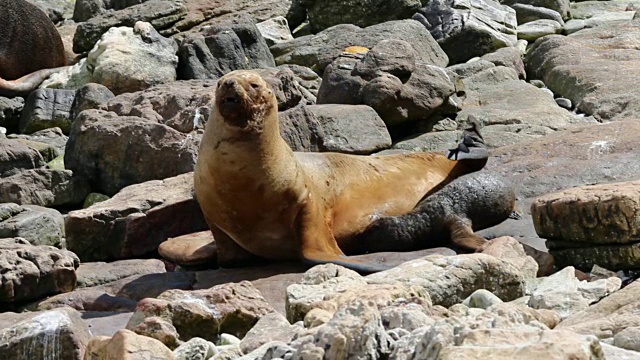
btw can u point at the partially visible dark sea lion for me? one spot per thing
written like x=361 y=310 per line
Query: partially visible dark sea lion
x=30 y=47
x=261 y=198
x=451 y=215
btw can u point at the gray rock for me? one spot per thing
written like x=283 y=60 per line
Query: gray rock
x=47 y=108
x=44 y=187
x=57 y=334
x=628 y=338
x=587 y=9
x=470 y=68
x=56 y=10
x=324 y=14
x=287 y=88
x=98 y=273
x=318 y=51
x=33 y=272
x=526 y=13
x=139 y=150
x=160 y=13
x=468 y=29
x=614 y=352
x=54 y=138
x=271 y=327
x=37 y=225
x=509 y=57
x=14 y=156
x=564 y=103
x=162 y=330
x=538 y=28
x=135 y=221
x=574 y=25
x=561 y=6
x=481 y=299
x=86 y=9
x=275 y=30
x=10 y=110
x=195 y=349
x=90 y=96
x=223 y=48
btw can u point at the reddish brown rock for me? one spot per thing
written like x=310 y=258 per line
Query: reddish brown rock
x=191 y=249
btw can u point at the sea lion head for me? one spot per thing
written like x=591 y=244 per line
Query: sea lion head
x=243 y=99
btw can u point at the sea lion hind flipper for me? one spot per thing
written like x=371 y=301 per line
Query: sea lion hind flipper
x=462 y=234
x=27 y=83
x=471 y=146
x=316 y=258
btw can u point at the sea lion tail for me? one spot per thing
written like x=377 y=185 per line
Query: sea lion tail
x=27 y=83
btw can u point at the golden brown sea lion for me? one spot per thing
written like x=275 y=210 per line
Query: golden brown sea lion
x=30 y=47
x=261 y=198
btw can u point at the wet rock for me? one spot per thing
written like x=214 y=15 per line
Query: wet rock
x=466 y=30
x=318 y=51
x=32 y=272
x=138 y=150
x=37 y=225
x=44 y=187
x=232 y=308
x=223 y=48
x=47 y=108
x=136 y=220
x=59 y=334
x=127 y=345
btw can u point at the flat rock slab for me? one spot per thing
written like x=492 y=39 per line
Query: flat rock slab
x=105 y=323
x=98 y=273
x=191 y=249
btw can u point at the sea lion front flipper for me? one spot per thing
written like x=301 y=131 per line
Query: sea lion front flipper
x=462 y=234
x=230 y=254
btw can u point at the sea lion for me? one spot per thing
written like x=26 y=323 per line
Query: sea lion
x=261 y=198
x=469 y=203
x=30 y=47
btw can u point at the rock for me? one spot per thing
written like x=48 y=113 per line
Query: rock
x=526 y=13
x=271 y=327
x=37 y=225
x=355 y=331
x=509 y=249
x=59 y=334
x=191 y=249
x=160 y=13
x=90 y=96
x=53 y=138
x=287 y=86
x=324 y=14
x=564 y=103
x=579 y=63
x=275 y=30
x=44 y=187
x=589 y=9
x=614 y=352
x=407 y=315
x=15 y=156
x=47 y=108
x=318 y=51
x=139 y=150
x=135 y=221
x=98 y=273
x=32 y=272
x=538 y=28
x=352 y=129
x=595 y=219
x=559 y=292
x=450 y=279
x=131 y=59
x=481 y=299
x=94 y=198
x=10 y=110
x=595 y=290
x=127 y=345
x=574 y=25
x=608 y=317
x=509 y=57
x=195 y=348
x=628 y=338
x=229 y=308
x=465 y=30
x=161 y=330
x=221 y=49
x=48 y=152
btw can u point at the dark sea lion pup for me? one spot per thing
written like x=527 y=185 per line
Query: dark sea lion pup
x=30 y=47
x=262 y=199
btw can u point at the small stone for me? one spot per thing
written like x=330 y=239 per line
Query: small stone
x=538 y=83
x=481 y=299
x=195 y=349
x=564 y=103
x=228 y=339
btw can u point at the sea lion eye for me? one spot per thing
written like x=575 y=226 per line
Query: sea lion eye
x=255 y=86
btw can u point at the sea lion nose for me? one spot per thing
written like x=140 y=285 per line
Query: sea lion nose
x=229 y=82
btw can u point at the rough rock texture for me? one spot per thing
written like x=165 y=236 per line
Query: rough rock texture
x=579 y=67
x=44 y=187
x=36 y=224
x=55 y=334
x=324 y=14
x=47 y=108
x=466 y=29
x=135 y=221
x=15 y=155
x=116 y=151
x=560 y=6
x=526 y=13
x=98 y=273
x=231 y=308
x=10 y=110
x=127 y=345
x=275 y=30
x=130 y=59
x=90 y=96
x=223 y=48
x=159 y=329
x=53 y=141
x=596 y=224
x=318 y=51
x=538 y=28
x=195 y=348
x=32 y=272
x=271 y=327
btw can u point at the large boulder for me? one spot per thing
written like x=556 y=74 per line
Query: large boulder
x=127 y=345
x=38 y=225
x=47 y=108
x=15 y=155
x=32 y=272
x=44 y=187
x=135 y=221
x=318 y=51
x=466 y=29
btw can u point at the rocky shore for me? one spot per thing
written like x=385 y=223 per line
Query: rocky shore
x=105 y=254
